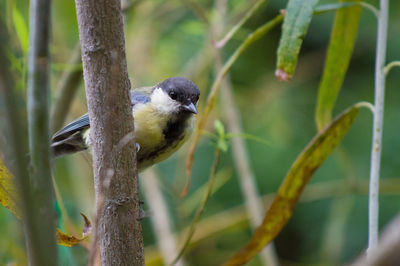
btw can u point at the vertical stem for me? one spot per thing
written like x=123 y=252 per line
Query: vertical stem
x=118 y=228
x=377 y=126
x=38 y=124
x=160 y=218
x=67 y=88
x=246 y=178
x=16 y=132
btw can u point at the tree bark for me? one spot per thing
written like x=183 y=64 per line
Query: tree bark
x=114 y=155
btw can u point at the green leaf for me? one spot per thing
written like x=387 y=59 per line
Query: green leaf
x=21 y=29
x=298 y=16
x=219 y=127
x=299 y=174
x=341 y=45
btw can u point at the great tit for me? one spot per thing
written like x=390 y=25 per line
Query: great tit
x=163 y=117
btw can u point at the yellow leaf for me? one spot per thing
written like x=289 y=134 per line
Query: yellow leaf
x=9 y=196
x=8 y=191
x=299 y=174
x=69 y=241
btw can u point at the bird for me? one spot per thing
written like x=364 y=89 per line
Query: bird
x=164 y=117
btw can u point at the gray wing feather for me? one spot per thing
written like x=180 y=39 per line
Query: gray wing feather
x=70 y=138
x=75 y=126
x=83 y=121
x=138 y=97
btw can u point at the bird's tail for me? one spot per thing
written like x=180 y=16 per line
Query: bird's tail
x=71 y=144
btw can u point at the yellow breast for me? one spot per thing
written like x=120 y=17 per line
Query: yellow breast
x=148 y=126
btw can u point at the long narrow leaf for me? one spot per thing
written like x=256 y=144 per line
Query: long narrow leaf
x=21 y=28
x=298 y=16
x=299 y=174
x=340 y=49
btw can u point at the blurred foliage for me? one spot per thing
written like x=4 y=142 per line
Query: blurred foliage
x=171 y=38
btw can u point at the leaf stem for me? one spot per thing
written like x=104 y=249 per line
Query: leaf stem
x=391 y=65
x=377 y=126
x=202 y=206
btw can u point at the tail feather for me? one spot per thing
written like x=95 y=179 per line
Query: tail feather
x=71 y=144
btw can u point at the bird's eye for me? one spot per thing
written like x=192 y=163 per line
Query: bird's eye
x=173 y=95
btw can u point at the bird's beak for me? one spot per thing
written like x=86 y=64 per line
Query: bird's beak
x=190 y=108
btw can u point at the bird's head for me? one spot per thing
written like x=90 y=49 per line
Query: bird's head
x=176 y=95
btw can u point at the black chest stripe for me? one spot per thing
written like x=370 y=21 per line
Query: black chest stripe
x=173 y=133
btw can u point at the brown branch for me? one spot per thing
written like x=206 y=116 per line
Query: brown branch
x=115 y=172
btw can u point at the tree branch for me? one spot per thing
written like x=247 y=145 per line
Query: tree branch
x=377 y=126
x=43 y=251
x=115 y=171
x=66 y=90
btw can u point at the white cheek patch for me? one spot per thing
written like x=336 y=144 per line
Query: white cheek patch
x=162 y=102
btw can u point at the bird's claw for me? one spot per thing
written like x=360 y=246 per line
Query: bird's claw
x=137 y=147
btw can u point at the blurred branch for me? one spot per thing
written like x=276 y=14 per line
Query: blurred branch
x=159 y=217
x=202 y=206
x=66 y=90
x=254 y=207
x=254 y=36
x=17 y=156
x=387 y=252
x=117 y=227
x=221 y=43
x=377 y=125
x=336 y=229
x=197 y=9
x=43 y=251
x=246 y=178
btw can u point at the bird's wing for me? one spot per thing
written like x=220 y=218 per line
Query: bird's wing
x=73 y=127
x=138 y=97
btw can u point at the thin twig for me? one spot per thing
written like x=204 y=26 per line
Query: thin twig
x=66 y=90
x=377 y=126
x=160 y=218
x=221 y=43
x=202 y=206
x=197 y=9
x=391 y=65
x=246 y=177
